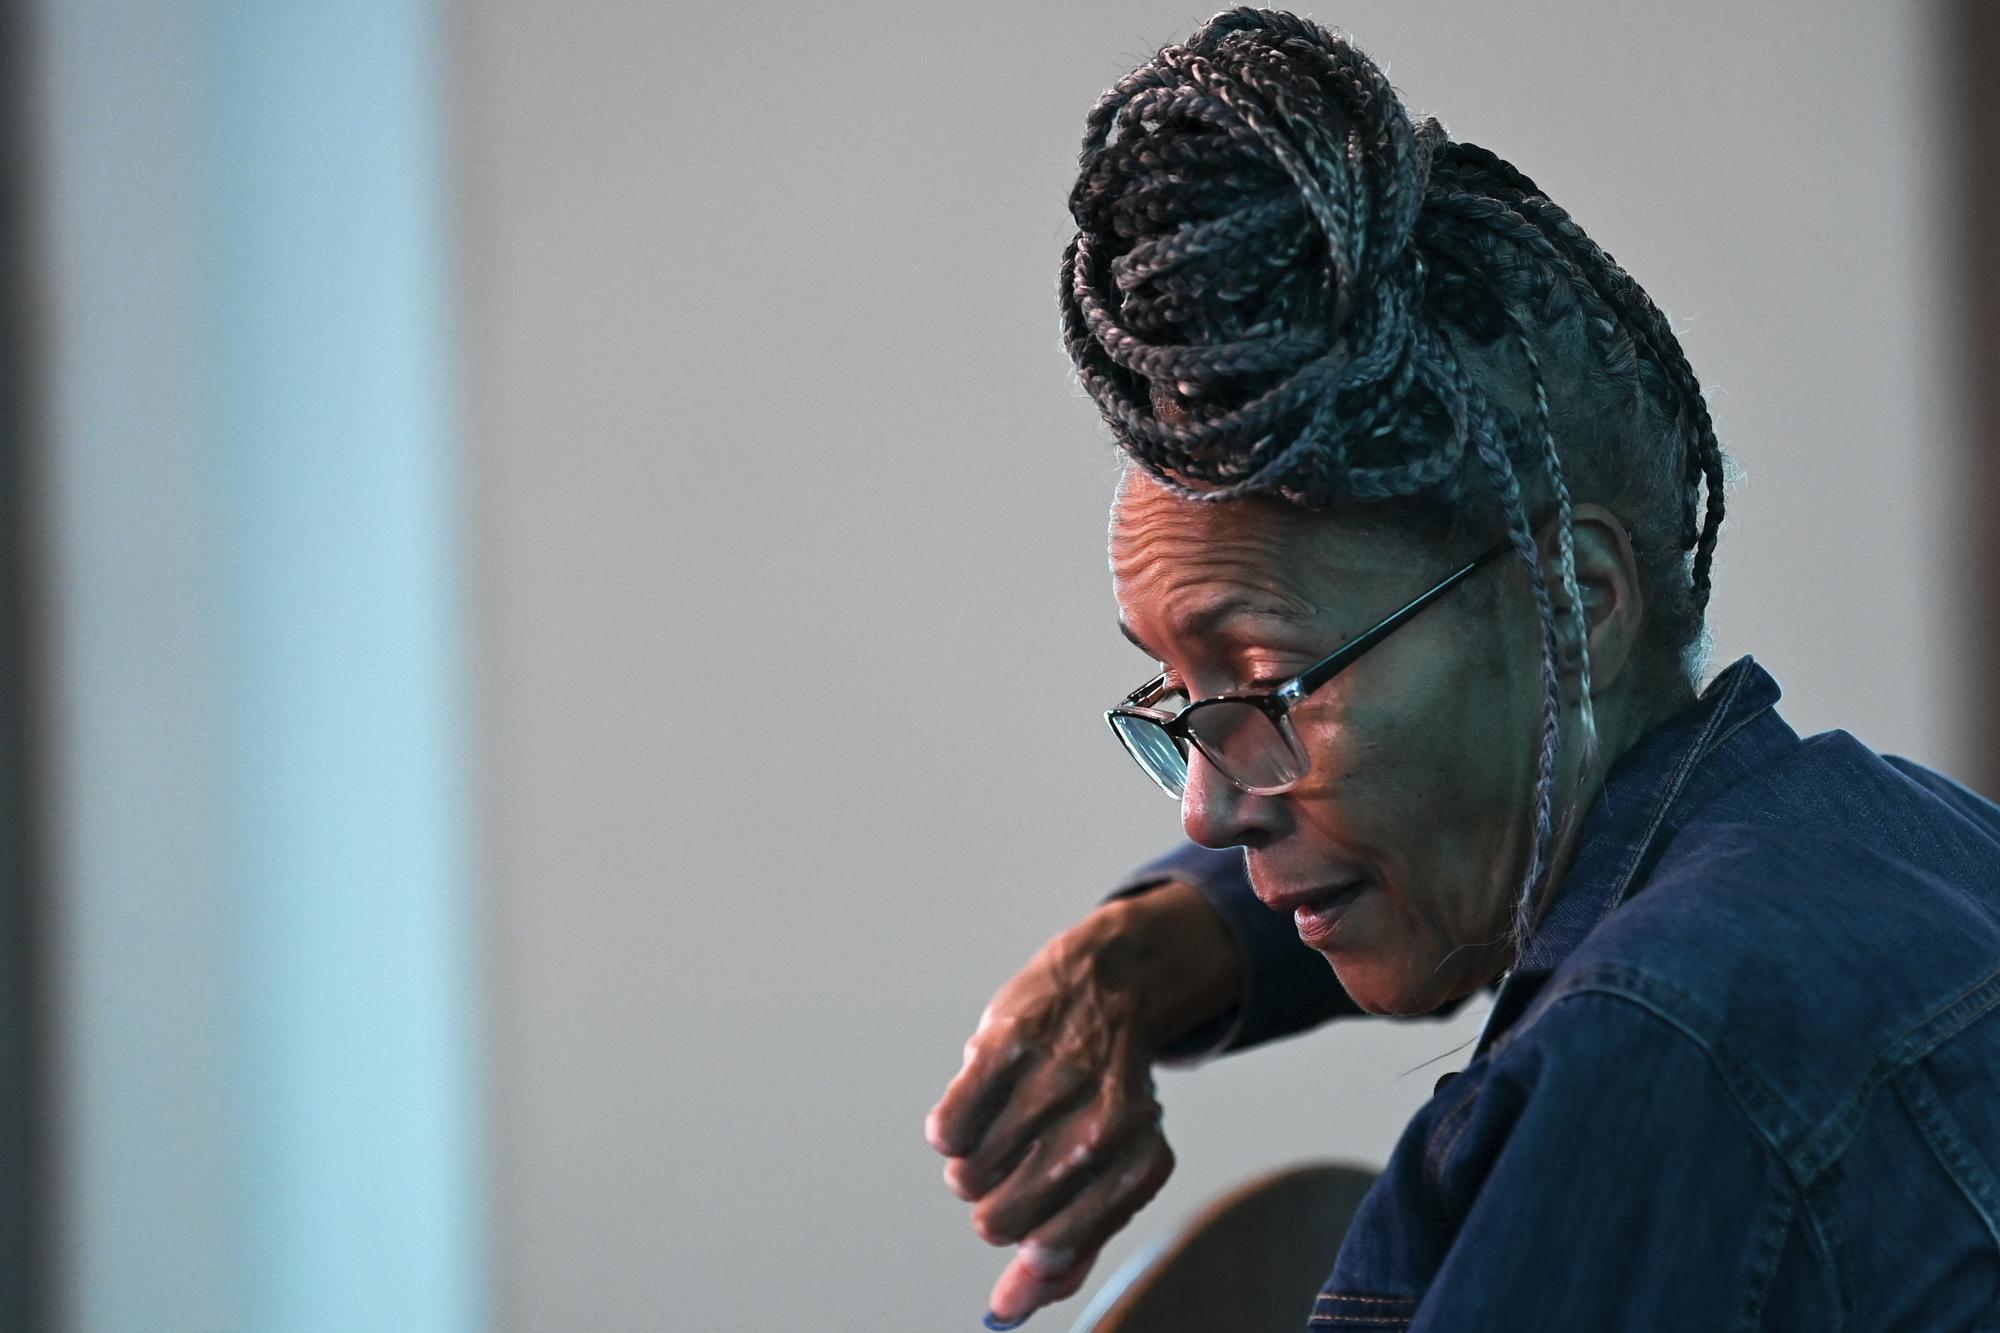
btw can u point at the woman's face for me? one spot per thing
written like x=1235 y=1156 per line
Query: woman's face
x=1416 y=807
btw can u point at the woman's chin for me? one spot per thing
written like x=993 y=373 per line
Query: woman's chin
x=1383 y=986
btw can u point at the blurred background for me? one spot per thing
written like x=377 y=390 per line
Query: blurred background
x=554 y=621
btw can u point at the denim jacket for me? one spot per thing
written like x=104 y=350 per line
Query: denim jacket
x=1744 y=1075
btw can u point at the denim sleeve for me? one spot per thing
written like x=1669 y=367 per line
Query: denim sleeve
x=1287 y=987
x=1606 y=1178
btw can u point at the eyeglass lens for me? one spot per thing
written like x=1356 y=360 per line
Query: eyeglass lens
x=1158 y=753
x=1238 y=738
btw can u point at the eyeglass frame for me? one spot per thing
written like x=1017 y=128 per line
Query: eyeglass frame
x=1276 y=704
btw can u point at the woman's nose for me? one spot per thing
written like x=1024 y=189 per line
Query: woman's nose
x=1216 y=812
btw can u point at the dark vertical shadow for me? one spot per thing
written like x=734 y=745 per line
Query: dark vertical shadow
x=1972 y=46
x=23 y=1083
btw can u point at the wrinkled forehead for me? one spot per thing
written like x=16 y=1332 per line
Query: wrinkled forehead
x=1162 y=542
x=1153 y=527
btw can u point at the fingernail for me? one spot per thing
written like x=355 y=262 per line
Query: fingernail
x=1047 y=1260
x=999 y=1325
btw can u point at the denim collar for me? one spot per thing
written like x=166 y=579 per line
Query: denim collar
x=1668 y=774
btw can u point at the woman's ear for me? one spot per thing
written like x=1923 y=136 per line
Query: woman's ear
x=1607 y=579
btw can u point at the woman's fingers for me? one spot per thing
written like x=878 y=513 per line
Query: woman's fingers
x=1105 y=1204
x=1053 y=1261
x=1023 y=1288
x=1051 y=1126
x=993 y=1059
x=1068 y=1156
x=1043 y=1091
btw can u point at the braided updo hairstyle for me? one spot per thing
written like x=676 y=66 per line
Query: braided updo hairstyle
x=1281 y=285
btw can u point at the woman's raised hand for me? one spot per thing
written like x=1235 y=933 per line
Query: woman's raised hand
x=1051 y=1127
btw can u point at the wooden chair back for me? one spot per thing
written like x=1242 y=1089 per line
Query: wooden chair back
x=1251 y=1261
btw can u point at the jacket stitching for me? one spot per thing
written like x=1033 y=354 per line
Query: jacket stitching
x=1767 y=1247
x=1917 y=1041
x=1947 y=1020
x=1442 y=1146
x=1690 y=760
x=1821 y=1144
x=1826 y=1233
x=1445 y=1135
x=1948 y=1144
x=1805 y=1166
x=1747 y=1094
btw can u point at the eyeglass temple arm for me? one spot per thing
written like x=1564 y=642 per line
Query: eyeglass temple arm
x=1152 y=686
x=1327 y=668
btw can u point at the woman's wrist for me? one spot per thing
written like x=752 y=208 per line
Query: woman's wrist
x=1169 y=948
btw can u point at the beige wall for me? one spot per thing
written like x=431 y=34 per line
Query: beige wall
x=794 y=623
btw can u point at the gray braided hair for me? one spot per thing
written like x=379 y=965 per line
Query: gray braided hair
x=1282 y=285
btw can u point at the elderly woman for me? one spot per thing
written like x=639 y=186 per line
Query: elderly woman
x=1417 y=521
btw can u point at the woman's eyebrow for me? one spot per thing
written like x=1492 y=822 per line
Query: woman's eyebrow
x=1211 y=617
x=1208 y=619
x=1132 y=636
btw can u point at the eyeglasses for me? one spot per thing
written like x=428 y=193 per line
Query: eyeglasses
x=1248 y=737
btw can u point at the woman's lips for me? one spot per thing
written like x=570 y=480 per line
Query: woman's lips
x=1319 y=916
